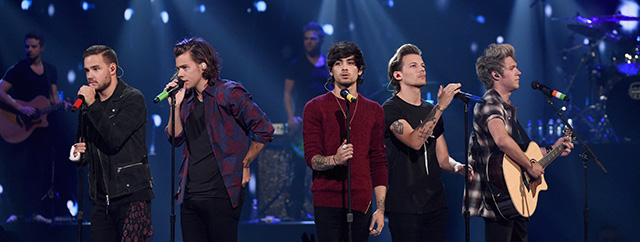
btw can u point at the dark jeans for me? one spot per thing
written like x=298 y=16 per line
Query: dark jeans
x=209 y=220
x=500 y=230
x=110 y=226
x=418 y=227
x=331 y=224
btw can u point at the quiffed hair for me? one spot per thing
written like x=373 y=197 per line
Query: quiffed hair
x=395 y=63
x=493 y=60
x=345 y=49
x=108 y=54
x=200 y=52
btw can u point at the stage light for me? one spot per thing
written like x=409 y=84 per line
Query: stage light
x=480 y=19
x=157 y=120
x=71 y=76
x=328 y=29
x=202 y=8
x=128 y=13
x=85 y=6
x=500 y=40
x=548 y=10
x=629 y=8
x=1 y=189
x=73 y=207
x=474 y=47
x=585 y=41
x=602 y=47
x=165 y=16
x=51 y=10
x=390 y=3
x=261 y=6
x=25 y=5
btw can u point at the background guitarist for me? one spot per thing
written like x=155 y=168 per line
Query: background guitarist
x=26 y=177
x=494 y=128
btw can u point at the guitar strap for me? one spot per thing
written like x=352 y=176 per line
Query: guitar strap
x=519 y=135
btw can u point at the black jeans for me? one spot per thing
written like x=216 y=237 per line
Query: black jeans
x=209 y=220
x=505 y=231
x=110 y=226
x=331 y=224
x=418 y=227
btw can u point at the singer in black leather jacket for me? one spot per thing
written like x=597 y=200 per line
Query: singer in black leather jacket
x=114 y=123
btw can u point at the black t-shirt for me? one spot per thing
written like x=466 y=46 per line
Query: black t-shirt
x=26 y=84
x=411 y=190
x=309 y=81
x=203 y=179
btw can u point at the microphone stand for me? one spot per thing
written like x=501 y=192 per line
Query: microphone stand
x=172 y=215
x=466 y=213
x=349 y=212
x=83 y=132
x=585 y=156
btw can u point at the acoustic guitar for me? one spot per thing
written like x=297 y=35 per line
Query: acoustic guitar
x=15 y=127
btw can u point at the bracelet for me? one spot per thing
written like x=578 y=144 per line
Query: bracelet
x=439 y=108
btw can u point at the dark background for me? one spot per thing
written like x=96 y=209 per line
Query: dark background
x=255 y=47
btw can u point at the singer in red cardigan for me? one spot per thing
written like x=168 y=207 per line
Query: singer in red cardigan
x=327 y=152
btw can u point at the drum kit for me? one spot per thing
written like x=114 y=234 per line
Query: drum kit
x=613 y=111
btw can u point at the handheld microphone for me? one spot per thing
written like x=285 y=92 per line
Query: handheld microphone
x=166 y=93
x=347 y=96
x=77 y=103
x=548 y=91
x=465 y=97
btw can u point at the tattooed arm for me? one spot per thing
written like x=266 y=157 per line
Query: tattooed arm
x=323 y=163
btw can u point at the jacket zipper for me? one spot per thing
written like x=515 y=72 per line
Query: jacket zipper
x=106 y=185
x=128 y=166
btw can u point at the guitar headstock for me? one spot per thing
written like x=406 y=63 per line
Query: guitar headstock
x=569 y=134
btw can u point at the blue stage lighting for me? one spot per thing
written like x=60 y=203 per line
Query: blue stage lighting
x=73 y=207
x=261 y=6
x=474 y=47
x=629 y=8
x=157 y=120
x=25 y=5
x=202 y=8
x=328 y=29
x=85 y=6
x=480 y=19
x=548 y=10
x=71 y=76
x=128 y=13
x=165 y=16
x=500 y=40
x=51 y=10
x=390 y=3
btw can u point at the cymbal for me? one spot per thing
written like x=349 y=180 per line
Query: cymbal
x=586 y=30
x=613 y=18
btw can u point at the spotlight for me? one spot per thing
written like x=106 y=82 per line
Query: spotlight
x=629 y=8
x=585 y=41
x=71 y=76
x=202 y=8
x=1 y=189
x=548 y=10
x=73 y=207
x=390 y=3
x=261 y=6
x=157 y=120
x=165 y=16
x=480 y=19
x=500 y=40
x=328 y=29
x=25 y=5
x=128 y=13
x=51 y=10
x=86 y=6
x=474 y=47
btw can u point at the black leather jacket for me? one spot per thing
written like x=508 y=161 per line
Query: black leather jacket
x=116 y=131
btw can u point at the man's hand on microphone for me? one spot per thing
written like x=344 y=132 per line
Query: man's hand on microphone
x=88 y=93
x=179 y=94
x=445 y=95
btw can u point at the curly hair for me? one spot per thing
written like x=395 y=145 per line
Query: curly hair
x=493 y=60
x=200 y=52
x=345 y=49
x=395 y=63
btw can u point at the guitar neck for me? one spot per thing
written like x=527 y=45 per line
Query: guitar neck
x=52 y=108
x=551 y=156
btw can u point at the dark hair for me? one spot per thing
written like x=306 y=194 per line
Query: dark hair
x=313 y=26
x=493 y=60
x=395 y=63
x=345 y=49
x=34 y=34
x=108 y=54
x=200 y=52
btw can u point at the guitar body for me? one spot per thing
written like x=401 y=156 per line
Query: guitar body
x=16 y=127
x=513 y=196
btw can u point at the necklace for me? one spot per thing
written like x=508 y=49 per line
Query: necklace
x=344 y=113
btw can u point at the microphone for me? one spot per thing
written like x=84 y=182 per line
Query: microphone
x=548 y=91
x=465 y=97
x=77 y=103
x=168 y=92
x=346 y=95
